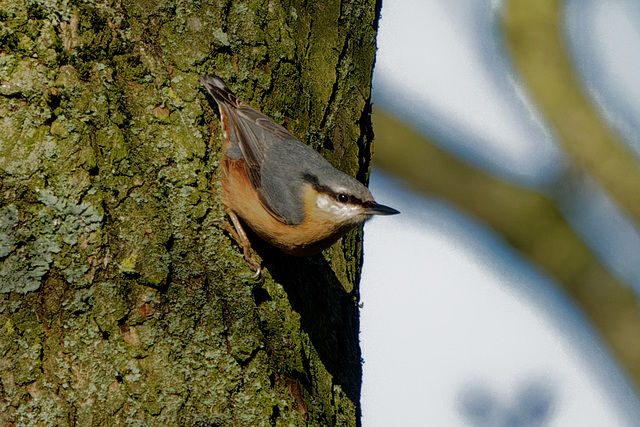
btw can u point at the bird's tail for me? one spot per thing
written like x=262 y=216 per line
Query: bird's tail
x=219 y=90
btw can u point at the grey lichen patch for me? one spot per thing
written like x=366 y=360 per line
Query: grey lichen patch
x=28 y=247
x=26 y=263
x=221 y=37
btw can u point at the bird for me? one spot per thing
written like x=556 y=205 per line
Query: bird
x=284 y=190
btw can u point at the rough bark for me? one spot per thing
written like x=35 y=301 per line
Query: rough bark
x=122 y=302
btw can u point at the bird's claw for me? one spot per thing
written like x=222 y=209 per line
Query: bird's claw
x=239 y=235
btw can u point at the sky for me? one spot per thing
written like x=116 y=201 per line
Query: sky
x=442 y=66
x=457 y=329
x=608 y=67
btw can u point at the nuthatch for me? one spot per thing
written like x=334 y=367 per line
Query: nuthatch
x=281 y=188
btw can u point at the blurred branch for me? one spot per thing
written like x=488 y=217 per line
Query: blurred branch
x=536 y=40
x=529 y=221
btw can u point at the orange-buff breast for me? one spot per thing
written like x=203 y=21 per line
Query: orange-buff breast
x=314 y=234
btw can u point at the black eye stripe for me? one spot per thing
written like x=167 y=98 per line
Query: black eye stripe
x=341 y=197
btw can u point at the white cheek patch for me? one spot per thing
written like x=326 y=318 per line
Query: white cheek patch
x=341 y=212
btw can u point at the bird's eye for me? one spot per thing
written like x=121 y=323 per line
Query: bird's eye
x=343 y=198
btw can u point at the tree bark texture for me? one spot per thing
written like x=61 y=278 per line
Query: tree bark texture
x=122 y=300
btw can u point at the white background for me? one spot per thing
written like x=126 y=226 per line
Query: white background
x=457 y=329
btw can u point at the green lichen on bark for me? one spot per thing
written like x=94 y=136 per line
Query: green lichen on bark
x=31 y=247
x=121 y=301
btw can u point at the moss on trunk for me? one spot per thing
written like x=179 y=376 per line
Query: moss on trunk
x=121 y=301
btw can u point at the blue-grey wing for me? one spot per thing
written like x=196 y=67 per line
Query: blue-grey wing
x=257 y=136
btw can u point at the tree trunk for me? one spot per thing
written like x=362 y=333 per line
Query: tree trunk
x=122 y=301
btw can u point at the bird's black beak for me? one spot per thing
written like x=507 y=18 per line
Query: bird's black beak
x=374 y=208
